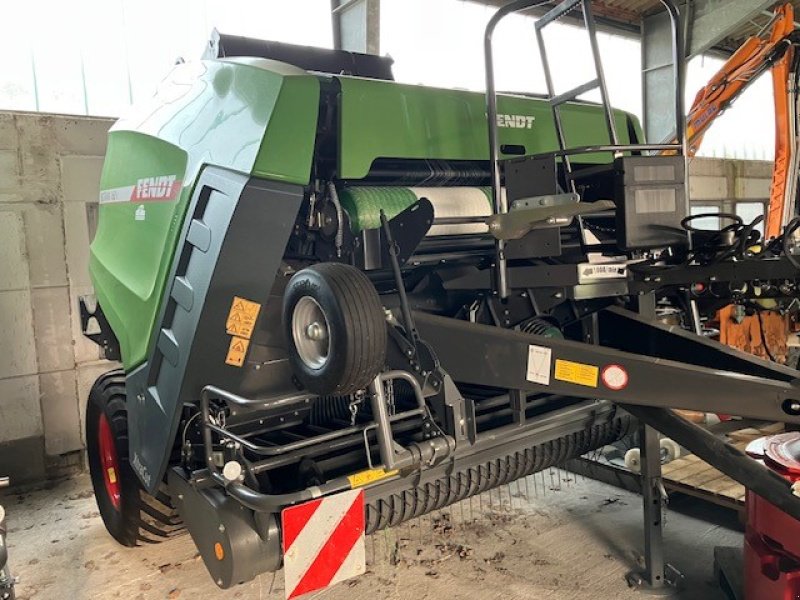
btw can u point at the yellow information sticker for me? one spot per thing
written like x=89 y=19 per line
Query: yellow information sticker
x=242 y=317
x=237 y=351
x=577 y=373
x=363 y=478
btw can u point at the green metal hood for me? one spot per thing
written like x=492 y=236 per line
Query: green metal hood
x=384 y=119
x=252 y=116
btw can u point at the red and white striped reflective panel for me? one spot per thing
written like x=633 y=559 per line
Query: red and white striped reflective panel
x=323 y=542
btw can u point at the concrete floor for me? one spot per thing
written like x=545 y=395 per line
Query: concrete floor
x=552 y=536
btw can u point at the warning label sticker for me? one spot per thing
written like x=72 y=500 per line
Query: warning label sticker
x=363 y=478
x=577 y=373
x=237 y=351
x=242 y=317
x=539 y=361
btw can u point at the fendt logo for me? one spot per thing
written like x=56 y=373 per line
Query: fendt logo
x=155 y=188
x=515 y=121
x=159 y=188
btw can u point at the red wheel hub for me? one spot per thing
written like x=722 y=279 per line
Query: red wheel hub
x=109 y=461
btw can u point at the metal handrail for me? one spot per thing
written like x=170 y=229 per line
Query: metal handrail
x=499 y=203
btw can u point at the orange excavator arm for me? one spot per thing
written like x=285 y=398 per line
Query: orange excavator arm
x=758 y=53
x=782 y=190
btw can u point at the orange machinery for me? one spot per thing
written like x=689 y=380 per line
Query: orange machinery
x=775 y=49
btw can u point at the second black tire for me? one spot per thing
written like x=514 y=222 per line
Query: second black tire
x=355 y=322
x=131 y=515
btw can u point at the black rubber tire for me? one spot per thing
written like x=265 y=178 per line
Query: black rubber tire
x=141 y=517
x=356 y=323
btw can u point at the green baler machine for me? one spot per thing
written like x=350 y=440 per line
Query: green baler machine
x=297 y=263
x=260 y=118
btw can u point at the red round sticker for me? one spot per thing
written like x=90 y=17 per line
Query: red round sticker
x=614 y=377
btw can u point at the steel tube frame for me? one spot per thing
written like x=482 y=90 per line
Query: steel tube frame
x=277 y=450
x=499 y=202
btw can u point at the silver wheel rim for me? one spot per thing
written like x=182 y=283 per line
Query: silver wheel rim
x=310 y=333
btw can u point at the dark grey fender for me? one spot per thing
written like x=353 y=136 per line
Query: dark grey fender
x=232 y=244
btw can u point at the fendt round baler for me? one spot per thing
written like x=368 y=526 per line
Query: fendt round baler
x=319 y=282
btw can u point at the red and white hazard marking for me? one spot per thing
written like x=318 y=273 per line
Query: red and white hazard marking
x=614 y=377
x=323 y=542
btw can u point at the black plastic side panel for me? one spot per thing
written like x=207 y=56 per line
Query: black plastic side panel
x=233 y=242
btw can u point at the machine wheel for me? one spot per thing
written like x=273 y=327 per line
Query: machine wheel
x=130 y=514
x=335 y=328
x=670 y=450
x=633 y=460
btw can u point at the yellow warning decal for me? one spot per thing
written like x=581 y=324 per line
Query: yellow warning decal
x=237 y=351
x=578 y=373
x=363 y=478
x=242 y=317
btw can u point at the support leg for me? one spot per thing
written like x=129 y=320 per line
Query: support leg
x=657 y=576
x=652 y=503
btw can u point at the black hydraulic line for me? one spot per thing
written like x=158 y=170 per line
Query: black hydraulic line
x=788 y=231
x=394 y=250
x=764 y=336
x=729 y=460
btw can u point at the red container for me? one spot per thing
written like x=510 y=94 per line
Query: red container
x=772 y=538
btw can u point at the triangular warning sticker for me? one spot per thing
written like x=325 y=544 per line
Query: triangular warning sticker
x=238 y=347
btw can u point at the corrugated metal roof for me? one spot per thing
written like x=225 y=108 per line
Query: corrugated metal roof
x=628 y=14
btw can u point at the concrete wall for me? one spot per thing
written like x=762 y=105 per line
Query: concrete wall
x=49 y=176
x=729 y=181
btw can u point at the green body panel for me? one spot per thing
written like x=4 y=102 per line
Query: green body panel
x=129 y=258
x=239 y=114
x=380 y=119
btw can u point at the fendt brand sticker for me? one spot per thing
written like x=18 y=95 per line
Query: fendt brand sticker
x=162 y=188
x=515 y=121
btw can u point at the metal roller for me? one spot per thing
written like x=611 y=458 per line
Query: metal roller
x=363 y=205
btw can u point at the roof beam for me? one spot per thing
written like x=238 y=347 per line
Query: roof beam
x=706 y=23
x=712 y=21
